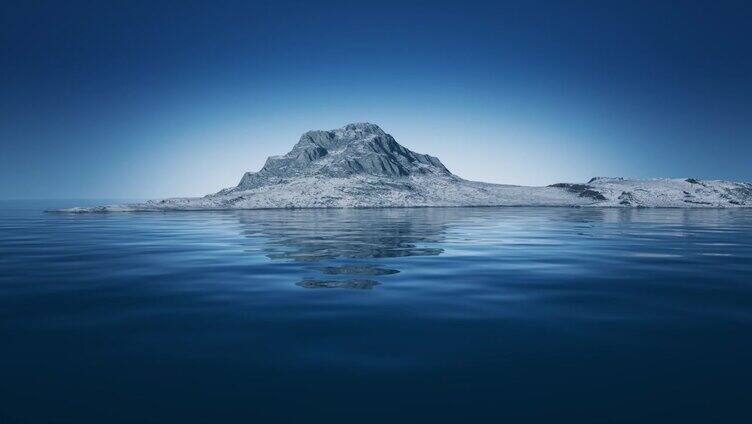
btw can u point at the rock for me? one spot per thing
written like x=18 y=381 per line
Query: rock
x=626 y=198
x=582 y=190
x=355 y=149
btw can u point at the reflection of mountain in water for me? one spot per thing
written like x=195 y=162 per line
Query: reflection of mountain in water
x=348 y=248
x=311 y=283
x=320 y=235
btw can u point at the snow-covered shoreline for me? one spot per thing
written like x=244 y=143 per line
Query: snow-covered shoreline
x=360 y=166
x=416 y=192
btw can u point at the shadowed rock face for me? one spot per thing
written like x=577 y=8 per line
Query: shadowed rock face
x=583 y=190
x=361 y=148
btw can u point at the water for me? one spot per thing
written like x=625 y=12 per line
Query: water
x=421 y=315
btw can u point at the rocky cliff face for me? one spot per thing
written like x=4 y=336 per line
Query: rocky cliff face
x=355 y=149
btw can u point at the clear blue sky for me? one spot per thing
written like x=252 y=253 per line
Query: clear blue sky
x=149 y=99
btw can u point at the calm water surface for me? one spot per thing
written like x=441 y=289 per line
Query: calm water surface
x=419 y=315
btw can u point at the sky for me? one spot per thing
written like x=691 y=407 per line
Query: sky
x=135 y=100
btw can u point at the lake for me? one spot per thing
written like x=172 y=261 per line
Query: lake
x=375 y=315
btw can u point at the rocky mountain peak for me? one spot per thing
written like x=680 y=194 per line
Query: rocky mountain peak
x=356 y=149
x=360 y=131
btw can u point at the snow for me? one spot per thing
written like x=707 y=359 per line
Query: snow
x=360 y=166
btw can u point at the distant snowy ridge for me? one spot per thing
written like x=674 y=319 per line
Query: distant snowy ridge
x=359 y=165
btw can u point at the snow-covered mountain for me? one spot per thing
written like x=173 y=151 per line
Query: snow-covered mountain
x=359 y=165
x=356 y=149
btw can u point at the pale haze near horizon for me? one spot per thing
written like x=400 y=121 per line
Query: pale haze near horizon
x=150 y=100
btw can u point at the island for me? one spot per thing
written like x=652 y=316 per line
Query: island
x=361 y=166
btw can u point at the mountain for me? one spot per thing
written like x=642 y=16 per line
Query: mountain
x=356 y=149
x=359 y=165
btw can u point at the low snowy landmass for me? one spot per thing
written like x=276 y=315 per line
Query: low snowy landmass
x=361 y=166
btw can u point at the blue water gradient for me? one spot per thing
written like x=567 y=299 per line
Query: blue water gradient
x=422 y=315
x=180 y=98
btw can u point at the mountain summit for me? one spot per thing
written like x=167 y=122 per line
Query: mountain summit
x=355 y=149
x=360 y=165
